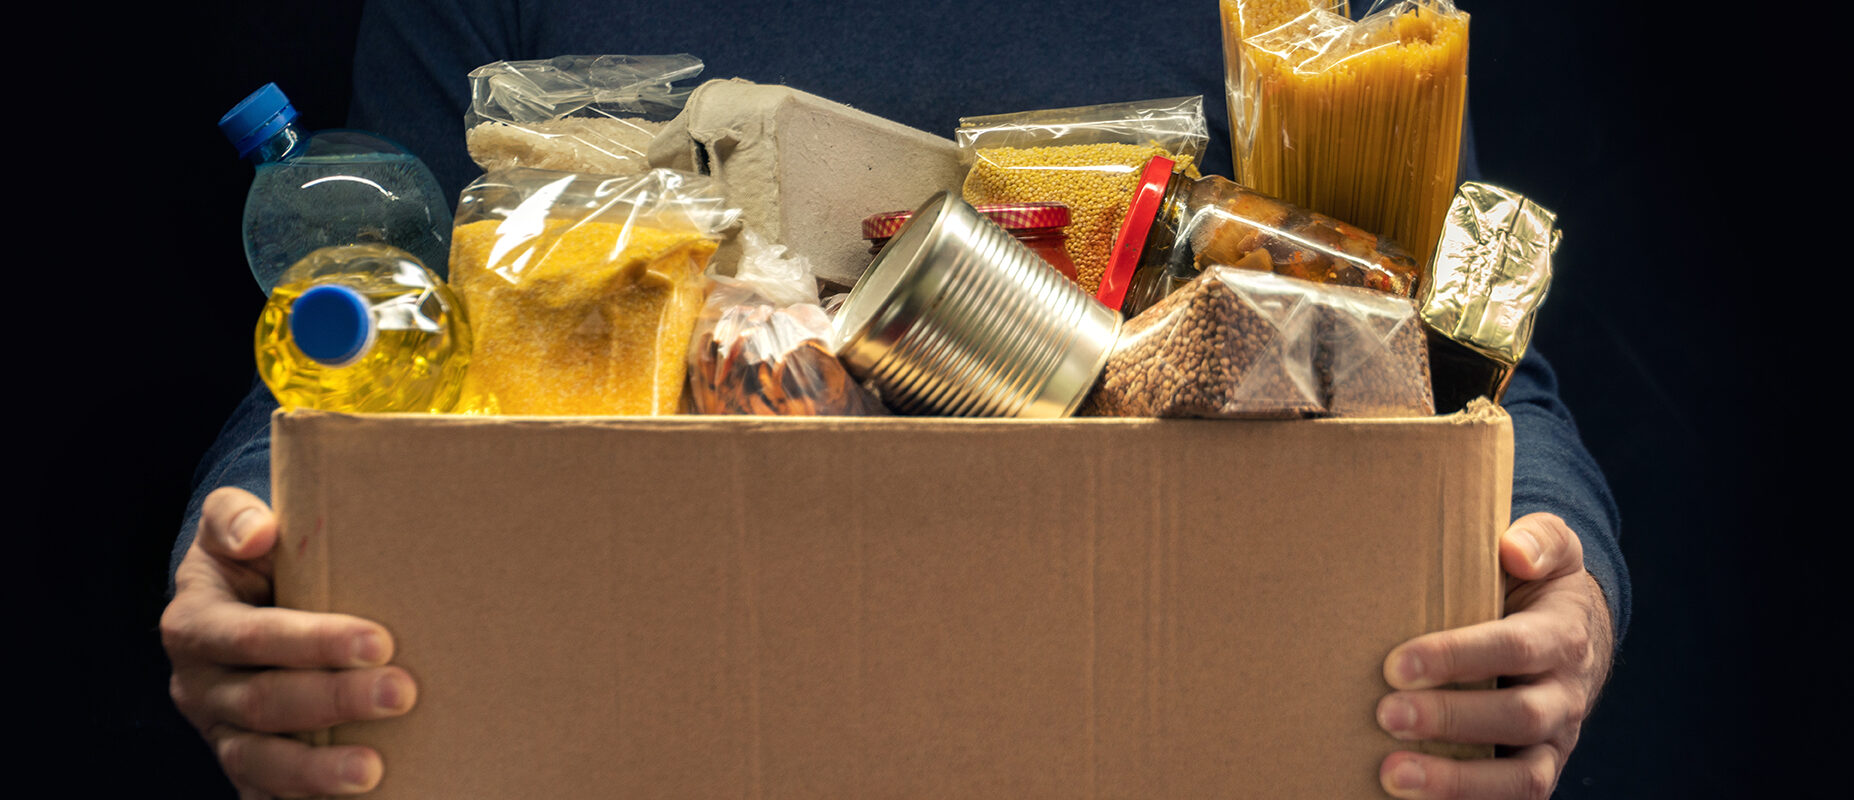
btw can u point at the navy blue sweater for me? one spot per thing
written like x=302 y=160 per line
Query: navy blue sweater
x=922 y=64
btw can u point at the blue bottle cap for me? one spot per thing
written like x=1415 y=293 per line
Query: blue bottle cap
x=332 y=324
x=257 y=118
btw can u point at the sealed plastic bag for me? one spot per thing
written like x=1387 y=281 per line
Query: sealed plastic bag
x=1359 y=120
x=1372 y=355
x=1235 y=347
x=765 y=345
x=583 y=289
x=594 y=114
x=1240 y=343
x=1088 y=158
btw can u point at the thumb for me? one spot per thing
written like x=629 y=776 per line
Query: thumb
x=237 y=526
x=1540 y=547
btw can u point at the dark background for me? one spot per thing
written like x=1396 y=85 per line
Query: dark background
x=1669 y=166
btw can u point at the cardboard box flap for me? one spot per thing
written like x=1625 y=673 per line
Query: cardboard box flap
x=697 y=607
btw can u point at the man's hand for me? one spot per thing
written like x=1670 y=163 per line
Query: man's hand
x=244 y=672
x=1553 y=650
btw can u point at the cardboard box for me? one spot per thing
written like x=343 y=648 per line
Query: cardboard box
x=908 y=608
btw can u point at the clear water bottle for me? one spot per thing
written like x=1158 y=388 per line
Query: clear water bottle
x=363 y=328
x=328 y=188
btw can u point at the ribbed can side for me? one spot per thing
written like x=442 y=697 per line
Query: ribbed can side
x=988 y=341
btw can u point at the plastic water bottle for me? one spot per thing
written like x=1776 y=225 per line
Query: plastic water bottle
x=329 y=188
x=363 y=328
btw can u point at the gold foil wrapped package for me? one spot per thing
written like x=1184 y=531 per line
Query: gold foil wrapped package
x=1490 y=275
x=1492 y=268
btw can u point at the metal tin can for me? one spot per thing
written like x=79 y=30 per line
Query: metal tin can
x=957 y=318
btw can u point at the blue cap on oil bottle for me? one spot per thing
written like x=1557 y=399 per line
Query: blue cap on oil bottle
x=332 y=324
x=256 y=118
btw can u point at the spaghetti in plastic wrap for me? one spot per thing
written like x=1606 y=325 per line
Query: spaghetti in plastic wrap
x=1359 y=120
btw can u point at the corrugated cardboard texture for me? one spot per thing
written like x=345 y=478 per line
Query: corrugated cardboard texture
x=733 y=607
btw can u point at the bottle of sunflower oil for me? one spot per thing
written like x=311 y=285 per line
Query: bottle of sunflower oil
x=363 y=328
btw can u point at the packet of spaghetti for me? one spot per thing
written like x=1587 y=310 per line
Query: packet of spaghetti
x=1490 y=275
x=1360 y=120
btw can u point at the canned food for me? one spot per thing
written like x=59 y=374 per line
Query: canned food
x=957 y=318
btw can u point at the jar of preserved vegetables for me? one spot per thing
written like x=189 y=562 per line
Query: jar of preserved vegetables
x=1177 y=226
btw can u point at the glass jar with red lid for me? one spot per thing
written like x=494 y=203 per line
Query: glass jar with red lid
x=1178 y=226
x=1042 y=227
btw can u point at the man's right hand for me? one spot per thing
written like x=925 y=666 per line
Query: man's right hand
x=246 y=673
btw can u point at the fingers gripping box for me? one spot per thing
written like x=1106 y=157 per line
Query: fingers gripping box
x=663 y=607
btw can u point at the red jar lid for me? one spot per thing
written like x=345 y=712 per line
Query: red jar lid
x=1131 y=241
x=1010 y=216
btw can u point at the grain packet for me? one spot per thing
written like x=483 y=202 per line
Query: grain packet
x=594 y=114
x=1088 y=158
x=1240 y=343
x=582 y=289
x=1371 y=354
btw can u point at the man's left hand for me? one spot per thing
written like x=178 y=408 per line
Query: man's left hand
x=1552 y=651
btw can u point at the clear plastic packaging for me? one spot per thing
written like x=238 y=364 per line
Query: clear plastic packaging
x=1174 y=124
x=764 y=344
x=363 y=328
x=1241 y=343
x=593 y=114
x=1372 y=355
x=329 y=188
x=1088 y=158
x=1358 y=120
x=583 y=289
x=1178 y=225
x=1235 y=347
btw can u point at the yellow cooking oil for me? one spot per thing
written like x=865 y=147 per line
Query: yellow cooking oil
x=363 y=328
